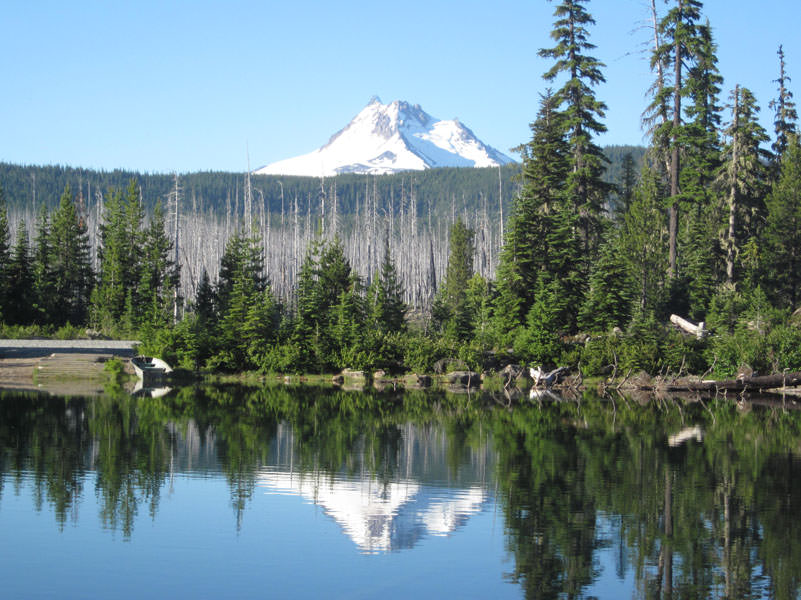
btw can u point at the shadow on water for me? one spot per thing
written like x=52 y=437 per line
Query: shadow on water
x=690 y=499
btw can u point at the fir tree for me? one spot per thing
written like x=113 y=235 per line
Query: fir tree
x=159 y=276
x=326 y=288
x=119 y=252
x=387 y=308
x=699 y=136
x=581 y=115
x=644 y=239
x=20 y=281
x=629 y=182
x=4 y=255
x=204 y=299
x=565 y=280
x=525 y=255
x=678 y=30
x=450 y=306
x=786 y=117
x=72 y=273
x=309 y=307
x=609 y=299
x=782 y=261
x=539 y=340
x=43 y=285
x=744 y=175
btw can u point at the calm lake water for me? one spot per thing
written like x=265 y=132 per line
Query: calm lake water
x=320 y=493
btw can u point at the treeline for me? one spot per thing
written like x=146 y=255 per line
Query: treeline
x=220 y=193
x=707 y=227
x=50 y=282
x=204 y=210
x=439 y=191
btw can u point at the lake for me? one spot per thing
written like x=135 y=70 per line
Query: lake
x=316 y=492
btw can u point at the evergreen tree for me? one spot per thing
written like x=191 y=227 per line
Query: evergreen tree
x=450 y=310
x=539 y=340
x=326 y=302
x=119 y=254
x=348 y=319
x=644 y=239
x=699 y=136
x=609 y=300
x=744 y=175
x=247 y=312
x=629 y=182
x=309 y=309
x=581 y=113
x=4 y=255
x=242 y=258
x=786 y=117
x=159 y=275
x=525 y=255
x=72 y=273
x=19 y=307
x=204 y=299
x=782 y=260
x=43 y=284
x=678 y=30
x=565 y=280
x=388 y=311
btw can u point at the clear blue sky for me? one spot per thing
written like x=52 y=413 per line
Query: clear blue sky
x=160 y=86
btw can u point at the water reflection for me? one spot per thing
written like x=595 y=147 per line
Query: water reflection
x=381 y=514
x=674 y=499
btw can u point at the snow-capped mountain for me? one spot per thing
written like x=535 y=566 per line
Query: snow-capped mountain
x=387 y=138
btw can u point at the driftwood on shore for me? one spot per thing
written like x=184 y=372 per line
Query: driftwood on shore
x=760 y=383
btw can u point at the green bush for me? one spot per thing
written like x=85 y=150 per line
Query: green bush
x=598 y=353
x=17 y=332
x=69 y=332
x=784 y=348
x=420 y=352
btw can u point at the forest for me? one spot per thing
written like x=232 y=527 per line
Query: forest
x=568 y=262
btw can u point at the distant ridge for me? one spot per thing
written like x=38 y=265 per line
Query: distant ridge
x=390 y=138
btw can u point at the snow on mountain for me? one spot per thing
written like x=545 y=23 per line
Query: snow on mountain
x=387 y=138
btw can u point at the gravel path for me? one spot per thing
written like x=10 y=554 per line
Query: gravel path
x=38 y=348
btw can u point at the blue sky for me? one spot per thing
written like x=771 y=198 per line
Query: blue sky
x=160 y=86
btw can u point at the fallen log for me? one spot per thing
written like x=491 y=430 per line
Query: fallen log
x=697 y=330
x=759 y=383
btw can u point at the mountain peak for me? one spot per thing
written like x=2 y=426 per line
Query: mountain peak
x=388 y=138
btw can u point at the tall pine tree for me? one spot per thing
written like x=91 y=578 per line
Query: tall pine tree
x=451 y=311
x=782 y=236
x=4 y=255
x=744 y=175
x=20 y=281
x=72 y=272
x=678 y=34
x=525 y=254
x=785 y=115
x=585 y=187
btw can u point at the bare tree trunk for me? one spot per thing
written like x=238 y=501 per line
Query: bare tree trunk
x=673 y=221
x=730 y=238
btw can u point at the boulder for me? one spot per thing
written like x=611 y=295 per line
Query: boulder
x=468 y=378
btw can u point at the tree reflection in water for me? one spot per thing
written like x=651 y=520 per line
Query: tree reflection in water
x=717 y=517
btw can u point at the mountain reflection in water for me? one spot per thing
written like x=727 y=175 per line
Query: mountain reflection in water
x=380 y=515
x=578 y=498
